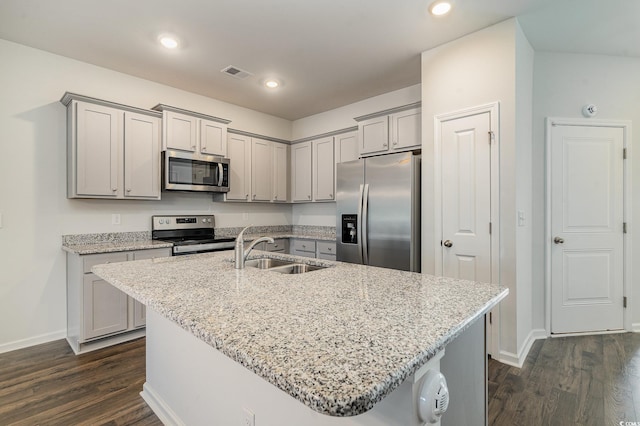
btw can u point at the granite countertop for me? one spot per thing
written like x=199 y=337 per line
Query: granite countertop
x=338 y=339
x=84 y=244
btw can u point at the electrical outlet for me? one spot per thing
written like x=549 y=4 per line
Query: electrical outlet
x=248 y=418
x=115 y=219
x=245 y=216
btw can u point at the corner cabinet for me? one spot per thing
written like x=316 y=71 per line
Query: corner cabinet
x=259 y=169
x=192 y=131
x=392 y=130
x=113 y=151
x=98 y=314
x=301 y=172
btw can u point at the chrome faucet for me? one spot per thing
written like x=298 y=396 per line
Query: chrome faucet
x=240 y=253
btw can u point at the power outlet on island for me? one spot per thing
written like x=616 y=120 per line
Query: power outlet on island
x=248 y=418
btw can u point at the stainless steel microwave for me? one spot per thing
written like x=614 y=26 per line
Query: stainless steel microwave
x=185 y=171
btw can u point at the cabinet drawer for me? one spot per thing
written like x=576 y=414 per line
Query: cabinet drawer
x=304 y=245
x=279 y=245
x=96 y=259
x=151 y=253
x=326 y=247
x=325 y=256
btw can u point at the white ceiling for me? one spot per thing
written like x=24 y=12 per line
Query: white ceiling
x=327 y=53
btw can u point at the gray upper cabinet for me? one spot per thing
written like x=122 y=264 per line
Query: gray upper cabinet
x=323 y=175
x=280 y=173
x=301 y=172
x=192 y=131
x=239 y=152
x=113 y=151
x=261 y=165
x=393 y=130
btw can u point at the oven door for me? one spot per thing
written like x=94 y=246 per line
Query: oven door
x=183 y=171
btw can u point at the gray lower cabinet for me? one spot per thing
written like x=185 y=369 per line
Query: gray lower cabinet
x=98 y=314
x=306 y=248
x=279 y=245
x=326 y=250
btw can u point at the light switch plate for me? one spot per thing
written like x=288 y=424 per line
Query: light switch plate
x=115 y=219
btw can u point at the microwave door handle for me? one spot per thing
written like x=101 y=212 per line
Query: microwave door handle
x=220 y=174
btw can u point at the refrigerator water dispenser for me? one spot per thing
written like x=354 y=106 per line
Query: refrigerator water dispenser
x=349 y=229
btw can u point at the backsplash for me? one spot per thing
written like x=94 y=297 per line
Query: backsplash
x=110 y=237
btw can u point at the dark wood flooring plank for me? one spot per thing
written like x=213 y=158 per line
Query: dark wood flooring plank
x=48 y=384
x=584 y=380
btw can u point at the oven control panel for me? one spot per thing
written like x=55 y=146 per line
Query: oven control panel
x=159 y=223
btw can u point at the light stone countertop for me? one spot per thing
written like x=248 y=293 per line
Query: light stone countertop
x=338 y=339
x=84 y=244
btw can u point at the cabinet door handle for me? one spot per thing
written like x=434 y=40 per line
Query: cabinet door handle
x=395 y=144
x=204 y=148
x=114 y=189
x=330 y=195
x=128 y=189
x=246 y=197
x=309 y=196
x=275 y=197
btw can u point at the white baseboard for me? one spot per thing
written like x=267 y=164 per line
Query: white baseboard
x=635 y=327
x=518 y=360
x=158 y=406
x=32 y=341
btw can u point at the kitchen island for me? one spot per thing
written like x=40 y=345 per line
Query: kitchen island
x=343 y=340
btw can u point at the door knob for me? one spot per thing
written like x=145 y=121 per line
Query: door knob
x=558 y=240
x=448 y=243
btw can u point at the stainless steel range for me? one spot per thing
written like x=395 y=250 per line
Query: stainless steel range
x=189 y=234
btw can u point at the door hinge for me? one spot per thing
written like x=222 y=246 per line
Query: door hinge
x=490 y=228
x=624 y=302
x=624 y=153
x=490 y=317
x=624 y=227
x=492 y=136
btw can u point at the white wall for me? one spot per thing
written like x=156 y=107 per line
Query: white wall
x=478 y=69
x=33 y=204
x=343 y=117
x=563 y=84
x=524 y=187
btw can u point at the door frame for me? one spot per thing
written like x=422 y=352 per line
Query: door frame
x=625 y=125
x=493 y=108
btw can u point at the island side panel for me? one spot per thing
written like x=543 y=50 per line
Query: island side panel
x=465 y=368
x=189 y=382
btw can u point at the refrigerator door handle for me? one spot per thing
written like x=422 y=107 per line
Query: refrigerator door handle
x=359 y=224
x=365 y=219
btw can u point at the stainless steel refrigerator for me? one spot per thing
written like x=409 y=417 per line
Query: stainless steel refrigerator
x=378 y=211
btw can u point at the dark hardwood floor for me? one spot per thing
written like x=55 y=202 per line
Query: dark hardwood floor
x=586 y=380
x=49 y=385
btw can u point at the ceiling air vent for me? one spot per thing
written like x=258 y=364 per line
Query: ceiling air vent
x=236 y=72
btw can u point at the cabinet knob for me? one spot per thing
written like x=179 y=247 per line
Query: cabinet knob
x=246 y=197
x=114 y=189
x=309 y=196
x=254 y=196
x=128 y=189
x=385 y=145
x=329 y=249
x=395 y=143
x=204 y=148
x=275 y=197
x=193 y=147
x=330 y=195
x=275 y=246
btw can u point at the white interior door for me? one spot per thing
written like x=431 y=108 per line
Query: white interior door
x=587 y=214
x=466 y=197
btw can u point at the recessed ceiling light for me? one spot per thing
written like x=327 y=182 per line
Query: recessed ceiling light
x=272 y=84
x=168 y=41
x=440 y=8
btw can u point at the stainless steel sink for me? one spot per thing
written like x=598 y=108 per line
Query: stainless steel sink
x=266 y=263
x=281 y=266
x=296 y=268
